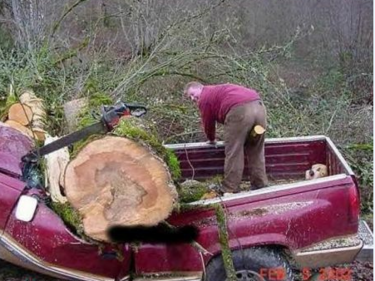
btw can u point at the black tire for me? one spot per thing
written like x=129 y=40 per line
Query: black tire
x=252 y=264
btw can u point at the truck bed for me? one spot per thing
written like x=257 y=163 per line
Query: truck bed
x=286 y=158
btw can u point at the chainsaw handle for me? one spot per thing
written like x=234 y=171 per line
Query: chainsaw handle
x=111 y=114
x=136 y=110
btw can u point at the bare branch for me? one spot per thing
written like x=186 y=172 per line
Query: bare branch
x=64 y=15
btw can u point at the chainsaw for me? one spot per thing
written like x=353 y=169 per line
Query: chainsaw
x=109 y=118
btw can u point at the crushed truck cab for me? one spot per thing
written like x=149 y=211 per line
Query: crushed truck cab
x=304 y=224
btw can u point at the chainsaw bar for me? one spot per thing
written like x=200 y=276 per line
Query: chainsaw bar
x=97 y=128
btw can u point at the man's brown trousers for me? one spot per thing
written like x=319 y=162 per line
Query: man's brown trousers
x=239 y=122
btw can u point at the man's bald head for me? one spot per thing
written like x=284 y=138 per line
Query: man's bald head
x=193 y=90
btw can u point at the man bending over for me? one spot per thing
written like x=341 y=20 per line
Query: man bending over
x=240 y=109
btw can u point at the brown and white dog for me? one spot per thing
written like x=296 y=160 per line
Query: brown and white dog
x=317 y=171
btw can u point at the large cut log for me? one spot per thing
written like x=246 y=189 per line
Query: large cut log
x=117 y=181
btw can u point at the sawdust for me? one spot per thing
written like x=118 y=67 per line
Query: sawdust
x=275 y=209
x=255 y=212
x=365 y=235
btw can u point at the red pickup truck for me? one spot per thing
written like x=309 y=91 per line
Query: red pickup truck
x=304 y=224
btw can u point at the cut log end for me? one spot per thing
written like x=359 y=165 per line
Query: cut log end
x=115 y=181
x=20 y=113
x=257 y=130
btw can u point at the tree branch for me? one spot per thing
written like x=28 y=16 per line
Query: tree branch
x=64 y=15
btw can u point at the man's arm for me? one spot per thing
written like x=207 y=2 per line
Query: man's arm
x=209 y=123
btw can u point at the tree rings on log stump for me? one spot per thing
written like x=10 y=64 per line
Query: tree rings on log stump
x=20 y=113
x=117 y=181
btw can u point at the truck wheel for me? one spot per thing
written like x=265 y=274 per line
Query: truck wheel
x=254 y=264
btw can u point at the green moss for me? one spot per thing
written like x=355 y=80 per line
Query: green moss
x=225 y=249
x=11 y=99
x=77 y=147
x=6 y=104
x=85 y=119
x=187 y=194
x=185 y=207
x=98 y=99
x=214 y=180
x=71 y=217
x=95 y=101
x=194 y=190
x=135 y=129
x=173 y=164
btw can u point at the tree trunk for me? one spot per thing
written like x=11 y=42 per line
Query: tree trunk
x=38 y=113
x=116 y=181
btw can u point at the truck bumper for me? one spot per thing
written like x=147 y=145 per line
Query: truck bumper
x=329 y=257
x=337 y=250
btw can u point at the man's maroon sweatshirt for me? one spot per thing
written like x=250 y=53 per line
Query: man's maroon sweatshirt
x=216 y=101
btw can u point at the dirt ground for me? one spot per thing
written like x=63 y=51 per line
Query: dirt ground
x=361 y=271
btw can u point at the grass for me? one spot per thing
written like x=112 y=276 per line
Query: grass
x=360 y=159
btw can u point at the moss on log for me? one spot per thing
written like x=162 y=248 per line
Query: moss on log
x=226 y=252
x=138 y=130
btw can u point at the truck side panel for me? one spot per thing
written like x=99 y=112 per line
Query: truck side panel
x=294 y=218
x=10 y=190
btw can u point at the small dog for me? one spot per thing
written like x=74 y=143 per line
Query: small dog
x=317 y=171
